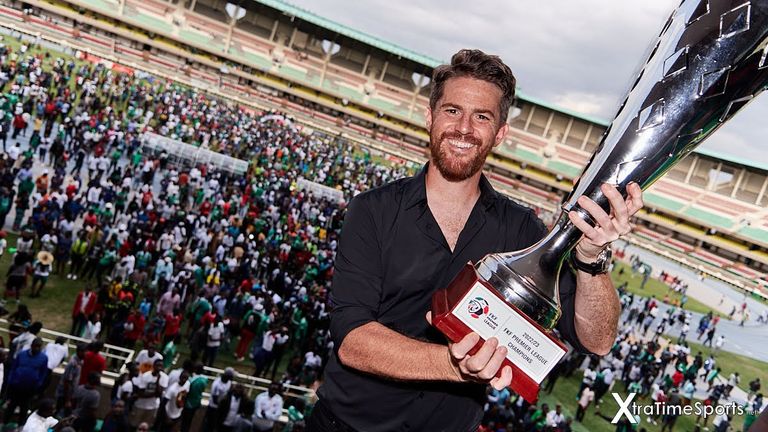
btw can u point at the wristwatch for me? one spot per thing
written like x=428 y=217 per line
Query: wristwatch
x=600 y=266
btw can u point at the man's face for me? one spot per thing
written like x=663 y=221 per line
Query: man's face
x=464 y=127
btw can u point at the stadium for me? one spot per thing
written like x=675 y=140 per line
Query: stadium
x=177 y=174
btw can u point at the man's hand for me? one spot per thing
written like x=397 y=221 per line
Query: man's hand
x=609 y=227
x=483 y=365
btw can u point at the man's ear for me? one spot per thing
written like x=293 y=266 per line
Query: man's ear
x=501 y=133
x=429 y=119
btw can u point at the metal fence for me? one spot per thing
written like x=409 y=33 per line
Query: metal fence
x=187 y=154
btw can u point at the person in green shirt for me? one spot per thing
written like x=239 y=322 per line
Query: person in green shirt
x=539 y=418
x=197 y=385
x=169 y=353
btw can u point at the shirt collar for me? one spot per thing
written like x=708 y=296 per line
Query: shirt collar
x=415 y=191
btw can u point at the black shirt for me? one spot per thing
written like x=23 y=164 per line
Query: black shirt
x=392 y=257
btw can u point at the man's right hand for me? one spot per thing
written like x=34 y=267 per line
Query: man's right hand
x=481 y=366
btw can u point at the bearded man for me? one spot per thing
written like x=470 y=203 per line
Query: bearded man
x=390 y=370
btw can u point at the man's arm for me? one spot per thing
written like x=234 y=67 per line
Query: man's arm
x=378 y=350
x=596 y=302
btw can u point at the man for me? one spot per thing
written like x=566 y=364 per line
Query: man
x=219 y=388
x=555 y=418
x=85 y=305
x=25 y=380
x=197 y=385
x=87 y=399
x=69 y=379
x=56 y=353
x=150 y=386
x=93 y=361
x=234 y=411
x=147 y=358
x=267 y=408
x=42 y=419
x=389 y=369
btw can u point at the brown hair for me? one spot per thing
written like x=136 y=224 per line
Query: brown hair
x=479 y=65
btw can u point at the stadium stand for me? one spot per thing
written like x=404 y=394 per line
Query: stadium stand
x=547 y=145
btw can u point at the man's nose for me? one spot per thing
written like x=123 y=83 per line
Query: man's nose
x=464 y=126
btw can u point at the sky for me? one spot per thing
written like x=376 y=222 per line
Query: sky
x=578 y=55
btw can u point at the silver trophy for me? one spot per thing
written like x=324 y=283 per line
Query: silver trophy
x=708 y=61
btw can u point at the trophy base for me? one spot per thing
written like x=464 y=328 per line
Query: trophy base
x=470 y=304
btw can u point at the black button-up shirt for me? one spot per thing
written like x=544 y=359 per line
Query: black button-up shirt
x=392 y=257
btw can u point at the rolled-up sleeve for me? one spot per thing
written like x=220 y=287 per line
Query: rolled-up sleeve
x=357 y=279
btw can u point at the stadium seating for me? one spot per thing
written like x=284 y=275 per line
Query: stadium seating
x=675 y=197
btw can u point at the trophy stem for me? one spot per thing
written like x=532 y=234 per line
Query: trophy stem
x=529 y=278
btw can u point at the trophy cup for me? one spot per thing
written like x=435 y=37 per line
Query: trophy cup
x=708 y=62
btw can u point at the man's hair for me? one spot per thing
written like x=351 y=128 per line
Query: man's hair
x=479 y=65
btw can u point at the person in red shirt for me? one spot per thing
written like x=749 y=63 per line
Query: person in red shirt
x=172 y=325
x=85 y=305
x=90 y=219
x=134 y=328
x=92 y=361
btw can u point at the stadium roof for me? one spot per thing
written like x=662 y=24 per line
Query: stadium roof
x=732 y=159
x=374 y=41
x=397 y=50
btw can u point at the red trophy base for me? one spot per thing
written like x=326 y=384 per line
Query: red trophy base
x=472 y=304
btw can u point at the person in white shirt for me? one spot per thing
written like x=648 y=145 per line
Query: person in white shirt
x=147 y=358
x=215 y=336
x=42 y=420
x=92 y=327
x=175 y=396
x=267 y=408
x=234 y=412
x=554 y=418
x=587 y=396
x=56 y=352
x=149 y=386
x=219 y=388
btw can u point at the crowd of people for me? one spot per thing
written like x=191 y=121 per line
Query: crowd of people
x=642 y=361
x=166 y=252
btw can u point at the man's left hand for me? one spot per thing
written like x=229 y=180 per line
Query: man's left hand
x=609 y=226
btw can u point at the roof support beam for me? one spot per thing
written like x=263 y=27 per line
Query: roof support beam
x=586 y=137
x=530 y=116
x=762 y=192
x=567 y=130
x=383 y=70
x=274 y=30
x=738 y=182
x=365 y=64
x=691 y=169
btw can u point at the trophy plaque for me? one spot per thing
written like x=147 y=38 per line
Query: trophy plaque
x=708 y=61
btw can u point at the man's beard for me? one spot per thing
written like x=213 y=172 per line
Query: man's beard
x=457 y=170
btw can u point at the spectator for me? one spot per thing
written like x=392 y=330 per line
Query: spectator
x=268 y=407
x=25 y=380
x=86 y=399
x=149 y=386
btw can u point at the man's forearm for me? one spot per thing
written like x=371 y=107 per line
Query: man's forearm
x=378 y=350
x=597 y=312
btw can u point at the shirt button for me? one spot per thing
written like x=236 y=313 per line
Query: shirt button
x=421 y=395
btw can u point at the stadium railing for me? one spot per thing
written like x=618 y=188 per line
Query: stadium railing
x=117 y=357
